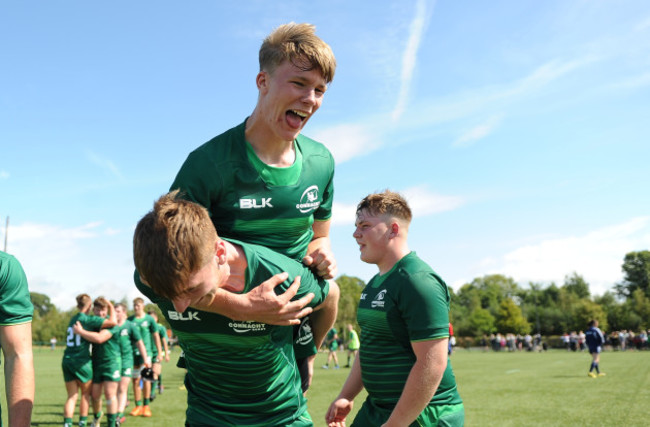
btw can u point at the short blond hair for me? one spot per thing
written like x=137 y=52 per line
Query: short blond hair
x=299 y=44
x=83 y=300
x=386 y=203
x=172 y=242
x=100 y=302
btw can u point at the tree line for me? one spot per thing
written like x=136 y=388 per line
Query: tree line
x=488 y=304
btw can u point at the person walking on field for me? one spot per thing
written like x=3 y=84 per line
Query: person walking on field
x=595 y=341
x=353 y=344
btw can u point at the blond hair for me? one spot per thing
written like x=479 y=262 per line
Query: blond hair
x=299 y=44
x=172 y=242
x=101 y=302
x=83 y=300
x=386 y=203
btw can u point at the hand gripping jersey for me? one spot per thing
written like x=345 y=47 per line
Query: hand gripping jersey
x=239 y=372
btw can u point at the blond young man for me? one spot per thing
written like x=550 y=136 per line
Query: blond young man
x=263 y=182
x=238 y=372
x=404 y=318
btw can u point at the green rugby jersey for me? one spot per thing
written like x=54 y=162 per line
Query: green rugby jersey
x=129 y=337
x=15 y=304
x=256 y=203
x=109 y=351
x=77 y=348
x=147 y=327
x=239 y=372
x=162 y=331
x=409 y=303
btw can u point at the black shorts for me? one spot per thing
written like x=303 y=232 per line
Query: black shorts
x=303 y=369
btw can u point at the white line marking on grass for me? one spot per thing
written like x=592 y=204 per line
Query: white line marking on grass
x=513 y=371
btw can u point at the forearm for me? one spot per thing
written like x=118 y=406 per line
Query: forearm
x=353 y=384
x=156 y=340
x=228 y=304
x=143 y=350
x=19 y=376
x=324 y=316
x=420 y=386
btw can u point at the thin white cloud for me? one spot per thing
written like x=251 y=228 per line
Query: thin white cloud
x=597 y=256
x=347 y=141
x=485 y=100
x=409 y=59
x=105 y=164
x=422 y=202
x=4 y=174
x=634 y=82
x=478 y=132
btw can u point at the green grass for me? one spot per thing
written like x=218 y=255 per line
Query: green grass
x=499 y=389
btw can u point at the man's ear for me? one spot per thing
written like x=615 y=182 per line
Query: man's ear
x=394 y=229
x=262 y=80
x=220 y=251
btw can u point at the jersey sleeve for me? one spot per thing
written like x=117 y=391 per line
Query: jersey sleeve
x=424 y=303
x=15 y=303
x=198 y=180
x=93 y=323
x=264 y=263
x=134 y=332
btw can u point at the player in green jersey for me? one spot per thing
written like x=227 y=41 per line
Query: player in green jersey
x=151 y=339
x=239 y=372
x=158 y=358
x=353 y=344
x=404 y=318
x=76 y=363
x=264 y=182
x=16 y=341
x=332 y=343
x=130 y=339
x=106 y=361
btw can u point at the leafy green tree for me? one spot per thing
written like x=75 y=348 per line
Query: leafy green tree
x=577 y=285
x=510 y=319
x=351 y=288
x=586 y=310
x=481 y=322
x=636 y=269
x=41 y=302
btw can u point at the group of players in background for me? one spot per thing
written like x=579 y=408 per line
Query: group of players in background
x=106 y=351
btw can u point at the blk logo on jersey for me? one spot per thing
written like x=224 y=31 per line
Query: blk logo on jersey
x=309 y=200
x=378 y=302
x=264 y=202
x=188 y=315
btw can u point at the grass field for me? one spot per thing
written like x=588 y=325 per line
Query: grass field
x=498 y=389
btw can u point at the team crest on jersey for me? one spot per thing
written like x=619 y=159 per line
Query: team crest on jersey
x=305 y=334
x=309 y=200
x=378 y=301
x=245 y=327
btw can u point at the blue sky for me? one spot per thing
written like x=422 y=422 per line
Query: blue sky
x=517 y=129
